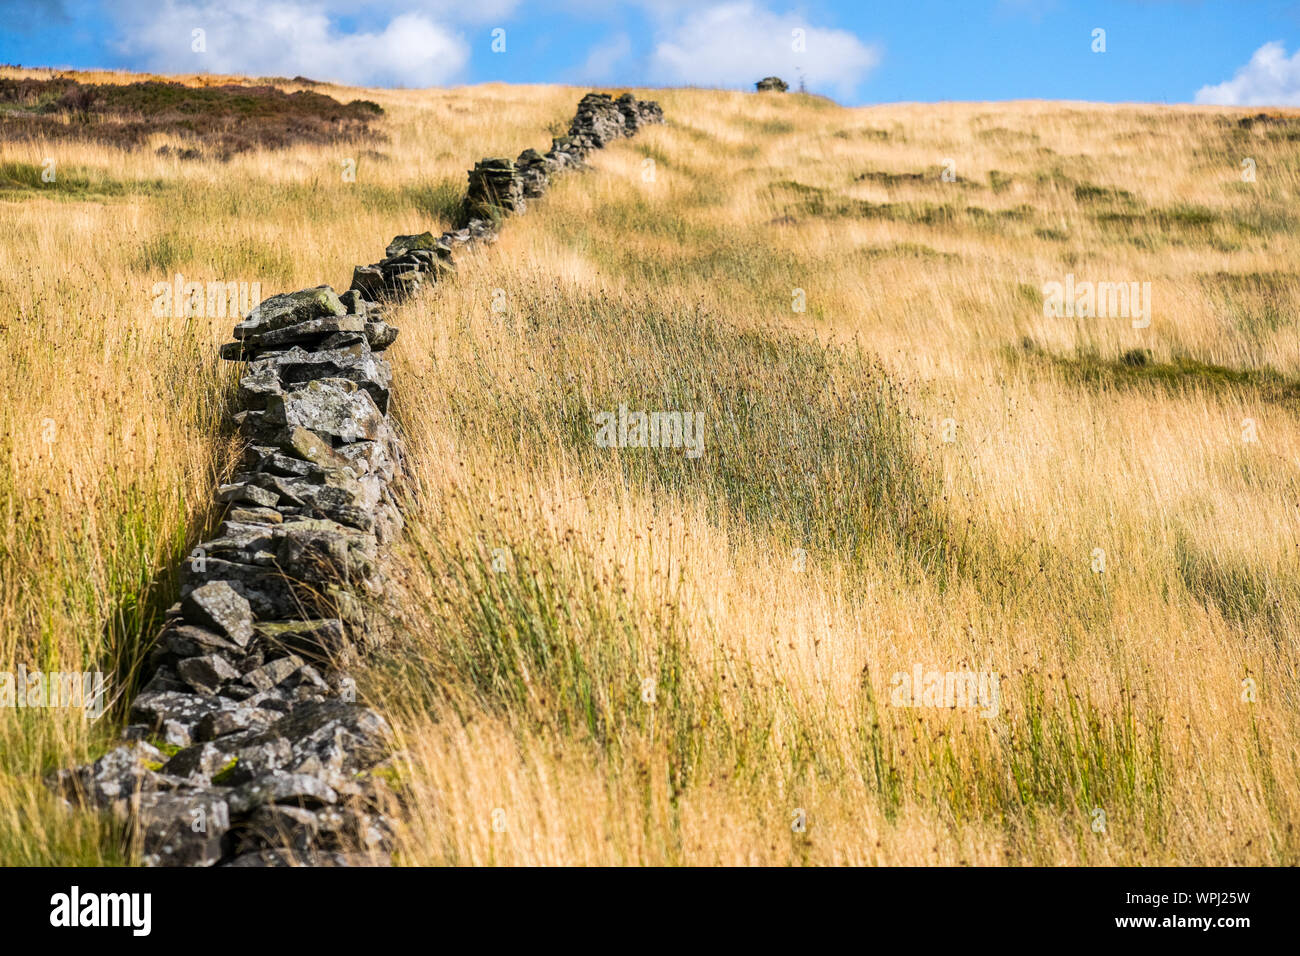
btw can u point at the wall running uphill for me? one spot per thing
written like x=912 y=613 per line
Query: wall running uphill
x=246 y=745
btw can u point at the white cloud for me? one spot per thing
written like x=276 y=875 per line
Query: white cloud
x=604 y=57
x=735 y=44
x=1269 y=79
x=291 y=38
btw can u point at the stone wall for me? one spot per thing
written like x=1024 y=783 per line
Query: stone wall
x=246 y=745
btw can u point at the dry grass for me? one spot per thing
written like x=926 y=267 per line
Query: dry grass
x=94 y=521
x=518 y=690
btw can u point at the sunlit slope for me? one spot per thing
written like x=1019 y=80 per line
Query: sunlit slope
x=113 y=428
x=634 y=655
x=630 y=655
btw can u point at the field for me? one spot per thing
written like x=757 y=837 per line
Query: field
x=634 y=656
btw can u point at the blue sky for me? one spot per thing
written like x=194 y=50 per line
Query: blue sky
x=1245 y=52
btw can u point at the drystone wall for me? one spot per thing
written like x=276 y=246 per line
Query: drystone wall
x=246 y=746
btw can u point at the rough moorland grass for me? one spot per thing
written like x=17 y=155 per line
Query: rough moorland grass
x=673 y=294
x=547 y=579
x=546 y=642
x=113 y=420
x=1180 y=375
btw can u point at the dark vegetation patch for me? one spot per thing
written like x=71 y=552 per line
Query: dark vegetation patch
x=891 y=179
x=560 y=649
x=771 y=127
x=220 y=120
x=1256 y=219
x=73 y=182
x=1250 y=597
x=794 y=199
x=905 y=250
x=1090 y=193
x=1030 y=294
x=806 y=442
x=869 y=132
x=815 y=446
x=1181 y=375
x=1270 y=120
x=1000 y=181
x=1256 y=303
x=1000 y=136
x=695 y=251
x=1181 y=216
x=885 y=178
x=1022 y=213
x=1275 y=283
x=440 y=201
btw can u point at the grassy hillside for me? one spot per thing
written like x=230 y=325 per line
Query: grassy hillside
x=635 y=656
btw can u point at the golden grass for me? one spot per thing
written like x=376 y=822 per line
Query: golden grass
x=518 y=693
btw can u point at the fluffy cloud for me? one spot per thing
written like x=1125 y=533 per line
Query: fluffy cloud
x=604 y=57
x=734 y=44
x=1269 y=79
x=291 y=38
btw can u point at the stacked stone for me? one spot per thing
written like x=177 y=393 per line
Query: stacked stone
x=268 y=756
x=599 y=121
x=247 y=746
x=499 y=188
x=771 y=84
x=494 y=190
x=638 y=113
x=407 y=262
x=534 y=173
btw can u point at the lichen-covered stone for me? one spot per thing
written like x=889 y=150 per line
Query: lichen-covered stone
x=219 y=607
x=333 y=407
x=290 y=309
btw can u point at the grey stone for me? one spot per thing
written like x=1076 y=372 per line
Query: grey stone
x=293 y=308
x=307 y=445
x=368 y=281
x=225 y=722
x=380 y=335
x=255 y=515
x=118 y=775
x=255 y=759
x=180 y=829
x=244 y=492
x=274 y=673
x=175 y=734
x=404 y=244
x=185 y=640
x=156 y=708
x=206 y=674
x=287 y=858
x=319 y=640
x=219 y=607
x=201 y=760
x=277 y=786
x=330 y=407
x=309 y=330
x=339 y=735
